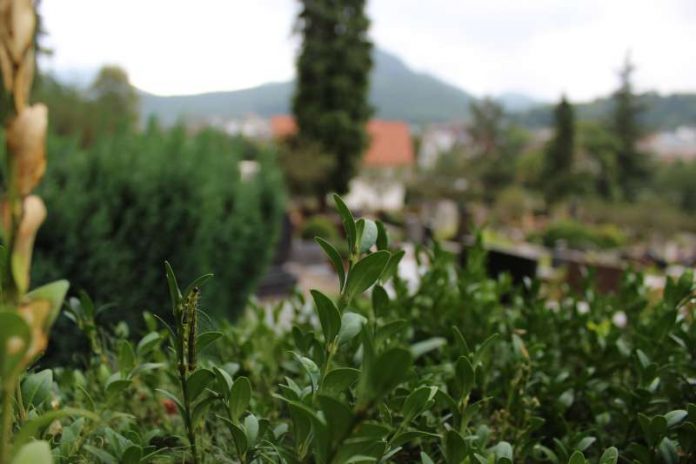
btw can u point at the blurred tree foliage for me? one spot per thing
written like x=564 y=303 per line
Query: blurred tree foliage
x=496 y=145
x=631 y=163
x=131 y=201
x=331 y=98
x=560 y=154
x=305 y=166
x=109 y=105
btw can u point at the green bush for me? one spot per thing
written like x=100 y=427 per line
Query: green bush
x=118 y=210
x=581 y=236
x=458 y=368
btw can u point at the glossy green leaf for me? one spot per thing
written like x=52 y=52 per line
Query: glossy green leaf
x=338 y=380
x=348 y=222
x=426 y=346
x=206 y=339
x=329 y=317
x=351 y=325
x=36 y=388
x=197 y=382
x=336 y=260
x=577 y=458
x=240 y=396
x=368 y=235
x=609 y=456
x=389 y=370
x=365 y=273
x=382 y=236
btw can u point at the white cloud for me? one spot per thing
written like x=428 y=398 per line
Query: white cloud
x=540 y=47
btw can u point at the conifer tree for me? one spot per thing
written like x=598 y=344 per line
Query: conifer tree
x=560 y=152
x=626 y=126
x=331 y=98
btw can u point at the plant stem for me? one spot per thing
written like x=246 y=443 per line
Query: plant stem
x=187 y=417
x=20 y=405
x=6 y=429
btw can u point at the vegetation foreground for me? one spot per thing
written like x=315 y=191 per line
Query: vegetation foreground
x=461 y=369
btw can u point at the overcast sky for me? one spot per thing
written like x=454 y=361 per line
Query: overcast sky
x=538 y=47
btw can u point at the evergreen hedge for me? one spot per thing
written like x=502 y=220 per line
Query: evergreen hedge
x=123 y=206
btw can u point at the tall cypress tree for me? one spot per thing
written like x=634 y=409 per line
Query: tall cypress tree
x=631 y=163
x=560 y=152
x=331 y=98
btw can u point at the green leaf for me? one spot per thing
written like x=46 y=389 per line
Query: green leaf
x=577 y=458
x=36 y=388
x=348 y=222
x=339 y=380
x=103 y=456
x=668 y=452
x=417 y=401
x=251 y=427
x=503 y=452
x=55 y=293
x=329 y=317
x=426 y=346
x=206 y=339
x=201 y=408
x=380 y=300
x=368 y=236
x=687 y=436
x=30 y=430
x=654 y=429
x=351 y=325
x=197 y=382
x=117 y=384
x=389 y=370
x=37 y=452
x=239 y=437
x=464 y=375
x=224 y=382
x=197 y=283
x=148 y=343
x=240 y=395
x=338 y=416
x=675 y=417
x=425 y=459
x=174 y=291
x=126 y=357
x=365 y=273
x=455 y=447
x=609 y=456
x=335 y=258
x=132 y=455
x=585 y=443
x=459 y=339
x=382 y=236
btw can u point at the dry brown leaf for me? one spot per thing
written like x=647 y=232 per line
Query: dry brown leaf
x=33 y=215
x=22 y=23
x=26 y=143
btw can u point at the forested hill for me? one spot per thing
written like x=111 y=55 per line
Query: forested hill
x=660 y=112
x=397 y=92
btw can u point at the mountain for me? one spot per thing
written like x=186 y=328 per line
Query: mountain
x=397 y=92
x=661 y=112
x=517 y=102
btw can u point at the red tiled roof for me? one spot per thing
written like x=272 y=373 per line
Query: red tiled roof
x=390 y=141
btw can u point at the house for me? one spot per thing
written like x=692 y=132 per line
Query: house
x=387 y=163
